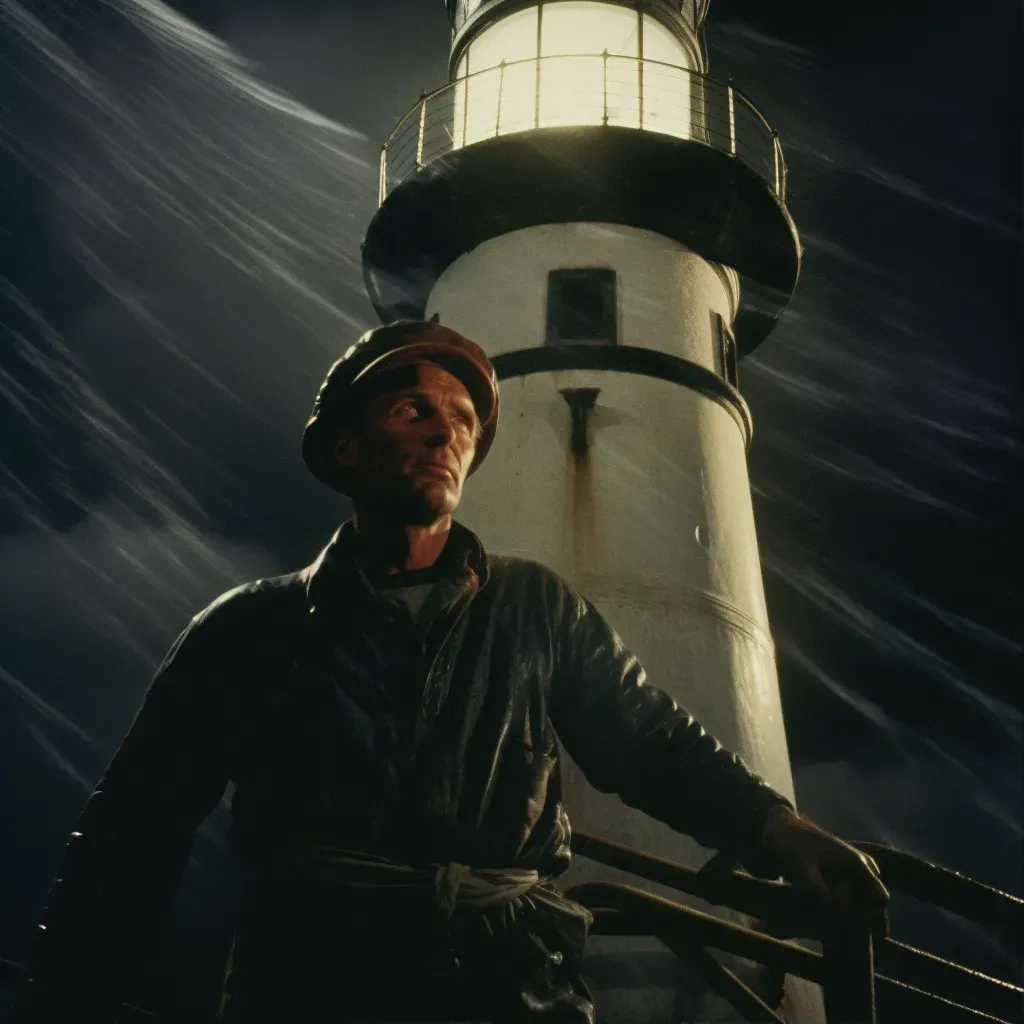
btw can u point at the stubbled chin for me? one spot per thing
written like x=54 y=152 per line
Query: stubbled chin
x=430 y=499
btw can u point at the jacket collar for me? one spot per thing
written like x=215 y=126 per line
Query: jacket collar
x=336 y=567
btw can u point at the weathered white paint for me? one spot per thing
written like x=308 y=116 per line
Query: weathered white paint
x=655 y=523
x=655 y=526
x=666 y=292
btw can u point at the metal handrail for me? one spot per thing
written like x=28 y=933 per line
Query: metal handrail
x=857 y=952
x=623 y=910
x=967 y=897
x=851 y=947
x=706 y=111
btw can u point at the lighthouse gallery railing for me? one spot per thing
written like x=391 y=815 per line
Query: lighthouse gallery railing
x=694 y=12
x=580 y=90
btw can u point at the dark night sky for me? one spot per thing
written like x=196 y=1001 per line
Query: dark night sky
x=179 y=265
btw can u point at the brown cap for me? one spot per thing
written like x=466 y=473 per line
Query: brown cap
x=400 y=343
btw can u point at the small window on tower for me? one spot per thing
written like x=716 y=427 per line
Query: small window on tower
x=725 y=350
x=581 y=306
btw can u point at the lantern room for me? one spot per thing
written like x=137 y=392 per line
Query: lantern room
x=573 y=62
x=571 y=111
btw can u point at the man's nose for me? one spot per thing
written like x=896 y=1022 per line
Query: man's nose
x=442 y=431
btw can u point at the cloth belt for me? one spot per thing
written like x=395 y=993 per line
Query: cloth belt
x=453 y=885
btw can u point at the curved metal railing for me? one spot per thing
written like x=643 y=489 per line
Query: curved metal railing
x=578 y=90
x=693 y=11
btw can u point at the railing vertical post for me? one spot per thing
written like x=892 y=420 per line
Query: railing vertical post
x=604 y=59
x=383 y=183
x=640 y=52
x=419 y=138
x=540 y=39
x=849 y=966
x=536 y=98
x=501 y=82
x=776 y=154
x=640 y=96
x=732 y=119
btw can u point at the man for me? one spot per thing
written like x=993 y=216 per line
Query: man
x=388 y=717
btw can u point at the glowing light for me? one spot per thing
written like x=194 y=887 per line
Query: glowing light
x=577 y=62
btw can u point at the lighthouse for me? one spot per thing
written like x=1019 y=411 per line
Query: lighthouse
x=610 y=224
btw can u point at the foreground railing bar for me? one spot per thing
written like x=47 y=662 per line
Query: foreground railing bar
x=776 y=900
x=783 y=957
x=901 y=871
x=940 y=1009
x=921 y=969
x=780 y=904
x=967 y=897
x=721 y=980
x=944 y=980
x=636 y=905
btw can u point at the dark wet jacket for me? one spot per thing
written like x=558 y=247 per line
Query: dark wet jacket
x=341 y=721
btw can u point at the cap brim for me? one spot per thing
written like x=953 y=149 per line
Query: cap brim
x=448 y=357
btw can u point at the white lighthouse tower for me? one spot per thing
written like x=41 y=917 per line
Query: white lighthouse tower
x=609 y=223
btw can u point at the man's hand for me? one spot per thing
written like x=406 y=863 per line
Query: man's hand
x=843 y=879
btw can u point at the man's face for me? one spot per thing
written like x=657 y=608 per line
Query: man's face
x=415 y=445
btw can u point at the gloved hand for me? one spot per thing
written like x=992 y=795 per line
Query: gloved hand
x=843 y=879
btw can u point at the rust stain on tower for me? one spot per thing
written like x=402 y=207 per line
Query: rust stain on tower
x=581 y=403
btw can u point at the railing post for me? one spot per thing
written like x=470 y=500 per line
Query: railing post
x=536 y=97
x=849 y=967
x=604 y=59
x=779 y=166
x=419 y=139
x=640 y=97
x=540 y=39
x=382 y=185
x=732 y=119
x=501 y=82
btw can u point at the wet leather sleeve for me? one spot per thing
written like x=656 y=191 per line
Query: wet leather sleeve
x=631 y=738
x=131 y=842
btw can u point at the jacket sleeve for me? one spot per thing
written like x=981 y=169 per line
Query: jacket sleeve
x=630 y=738
x=133 y=838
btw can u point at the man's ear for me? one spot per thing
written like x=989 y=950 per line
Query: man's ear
x=346 y=451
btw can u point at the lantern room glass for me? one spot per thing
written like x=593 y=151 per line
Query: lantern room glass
x=572 y=62
x=575 y=77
